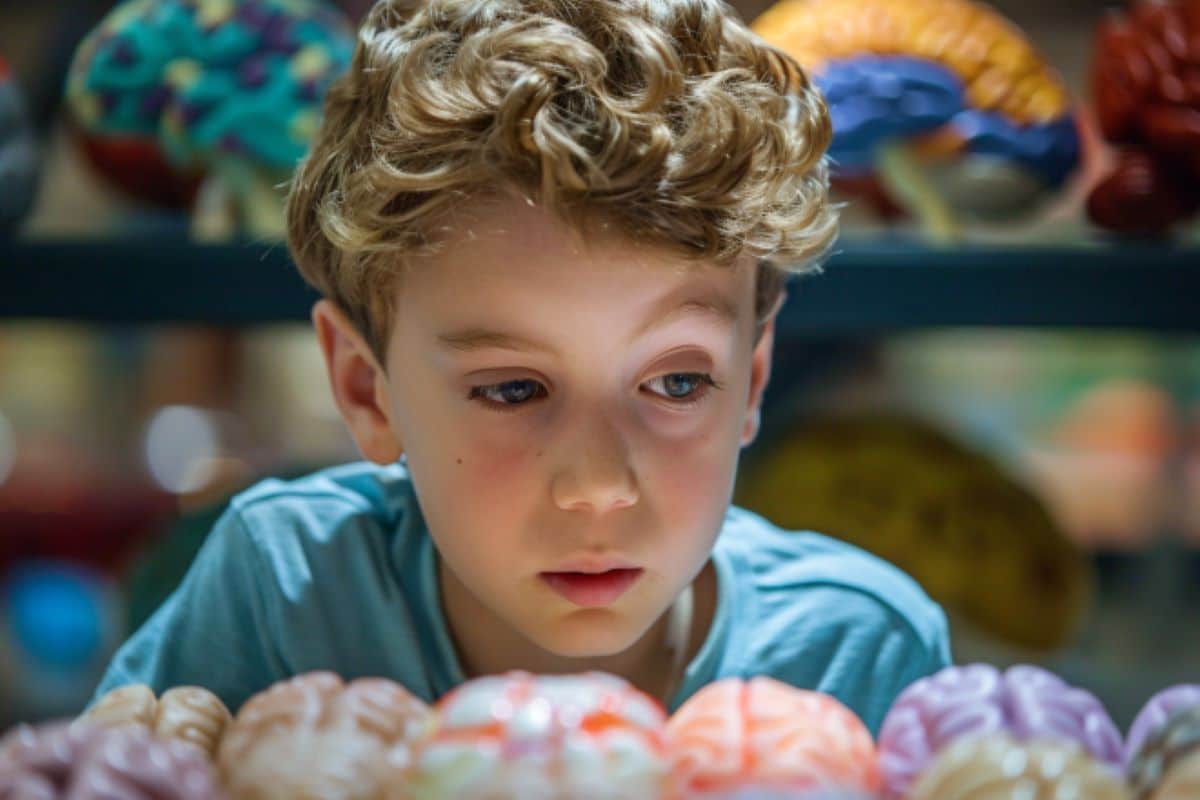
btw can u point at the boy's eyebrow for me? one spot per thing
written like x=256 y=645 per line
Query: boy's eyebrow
x=468 y=340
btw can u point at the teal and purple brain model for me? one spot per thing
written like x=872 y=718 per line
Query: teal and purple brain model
x=1024 y=701
x=211 y=79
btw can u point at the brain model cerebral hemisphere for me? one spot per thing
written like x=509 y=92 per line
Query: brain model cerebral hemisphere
x=90 y=762
x=738 y=738
x=998 y=767
x=541 y=737
x=951 y=77
x=317 y=737
x=1166 y=765
x=188 y=714
x=1024 y=702
x=1146 y=90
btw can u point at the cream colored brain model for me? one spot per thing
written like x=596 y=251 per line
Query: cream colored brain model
x=316 y=738
x=738 y=738
x=519 y=736
x=997 y=767
x=187 y=714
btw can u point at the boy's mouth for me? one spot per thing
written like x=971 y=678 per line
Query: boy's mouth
x=592 y=589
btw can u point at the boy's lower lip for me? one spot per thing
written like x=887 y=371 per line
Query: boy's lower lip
x=592 y=590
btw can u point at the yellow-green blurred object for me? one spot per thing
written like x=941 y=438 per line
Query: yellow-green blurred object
x=978 y=542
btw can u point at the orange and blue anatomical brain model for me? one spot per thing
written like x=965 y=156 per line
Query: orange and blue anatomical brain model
x=945 y=101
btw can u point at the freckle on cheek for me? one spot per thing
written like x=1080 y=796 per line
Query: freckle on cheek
x=459 y=460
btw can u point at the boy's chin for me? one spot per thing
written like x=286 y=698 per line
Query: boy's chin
x=589 y=635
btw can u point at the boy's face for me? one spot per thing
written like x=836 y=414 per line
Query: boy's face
x=554 y=406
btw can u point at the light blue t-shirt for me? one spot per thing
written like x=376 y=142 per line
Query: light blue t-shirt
x=337 y=571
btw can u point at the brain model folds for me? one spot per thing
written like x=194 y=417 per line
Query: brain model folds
x=229 y=89
x=998 y=767
x=1026 y=702
x=89 y=762
x=316 y=737
x=1167 y=764
x=952 y=77
x=1156 y=712
x=761 y=737
x=1146 y=88
x=188 y=714
x=591 y=736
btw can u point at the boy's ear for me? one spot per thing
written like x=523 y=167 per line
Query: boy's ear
x=359 y=384
x=760 y=373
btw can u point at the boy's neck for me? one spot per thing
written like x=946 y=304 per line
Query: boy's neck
x=488 y=647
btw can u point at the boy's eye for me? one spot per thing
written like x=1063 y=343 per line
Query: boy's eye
x=683 y=388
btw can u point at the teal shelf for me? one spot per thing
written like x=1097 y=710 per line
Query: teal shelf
x=866 y=288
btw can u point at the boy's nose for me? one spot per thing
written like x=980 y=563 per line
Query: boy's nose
x=595 y=473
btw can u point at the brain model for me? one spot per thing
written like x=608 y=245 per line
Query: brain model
x=18 y=156
x=316 y=737
x=761 y=737
x=1147 y=94
x=87 y=762
x=591 y=736
x=1000 y=768
x=1025 y=702
x=188 y=714
x=1157 y=711
x=1167 y=764
x=231 y=89
x=952 y=78
x=976 y=540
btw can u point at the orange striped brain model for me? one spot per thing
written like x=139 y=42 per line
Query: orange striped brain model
x=316 y=737
x=519 y=736
x=951 y=85
x=763 y=738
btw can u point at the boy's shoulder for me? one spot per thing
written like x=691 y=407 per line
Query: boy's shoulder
x=788 y=572
x=361 y=488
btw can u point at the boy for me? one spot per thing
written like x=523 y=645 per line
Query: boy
x=550 y=235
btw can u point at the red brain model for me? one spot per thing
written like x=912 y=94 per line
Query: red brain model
x=736 y=736
x=1146 y=85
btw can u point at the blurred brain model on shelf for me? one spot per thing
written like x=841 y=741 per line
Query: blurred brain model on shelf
x=978 y=542
x=18 y=154
x=1000 y=768
x=230 y=89
x=763 y=738
x=1146 y=89
x=945 y=101
x=1024 y=702
x=84 y=762
x=551 y=737
x=1157 y=711
x=188 y=714
x=1167 y=764
x=316 y=737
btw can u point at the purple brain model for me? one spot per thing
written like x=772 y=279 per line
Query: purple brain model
x=86 y=762
x=1157 y=711
x=1025 y=701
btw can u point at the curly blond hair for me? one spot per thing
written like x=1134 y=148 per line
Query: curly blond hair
x=668 y=119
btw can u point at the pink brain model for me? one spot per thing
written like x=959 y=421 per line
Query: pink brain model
x=518 y=735
x=1024 y=701
x=761 y=737
x=90 y=762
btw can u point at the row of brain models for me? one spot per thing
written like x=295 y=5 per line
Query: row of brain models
x=943 y=107
x=940 y=108
x=965 y=733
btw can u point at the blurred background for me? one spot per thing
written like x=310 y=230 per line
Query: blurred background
x=995 y=383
